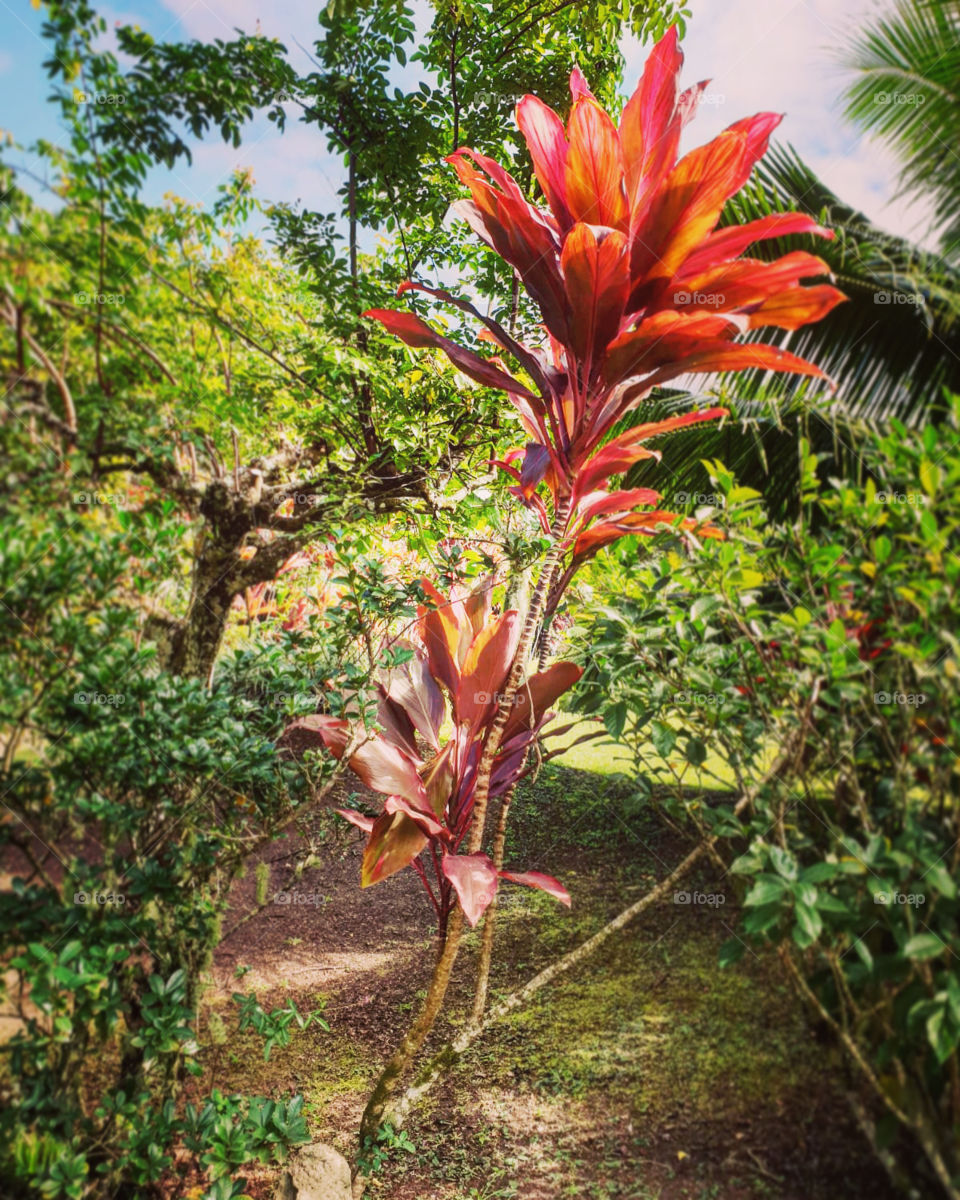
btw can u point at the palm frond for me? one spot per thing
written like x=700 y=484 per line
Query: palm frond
x=894 y=346
x=907 y=91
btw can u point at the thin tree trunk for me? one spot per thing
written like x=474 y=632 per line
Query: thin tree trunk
x=481 y=796
x=389 y=1081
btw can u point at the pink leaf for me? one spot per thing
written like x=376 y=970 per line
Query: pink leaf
x=474 y=879
x=355 y=818
x=545 y=883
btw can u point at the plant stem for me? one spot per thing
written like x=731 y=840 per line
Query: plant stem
x=490 y=916
x=481 y=795
x=387 y=1084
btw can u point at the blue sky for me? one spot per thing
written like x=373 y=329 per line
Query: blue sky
x=759 y=54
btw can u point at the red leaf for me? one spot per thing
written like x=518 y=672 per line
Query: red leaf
x=744 y=356
x=596 y=275
x=330 y=732
x=726 y=244
x=663 y=338
x=414 y=690
x=526 y=357
x=410 y=329
x=545 y=883
x=535 y=463
x=386 y=768
x=650 y=126
x=797 y=306
x=474 y=879
x=394 y=842
x=597 y=504
x=539 y=692
x=426 y=822
x=355 y=818
x=546 y=140
x=485 y=667
x=688 y=206
x=440 y=633
x=594 y=167
x=622 y=452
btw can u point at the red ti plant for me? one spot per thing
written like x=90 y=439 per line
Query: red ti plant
x=456 y=667
x=635 y=283
x=636 y=286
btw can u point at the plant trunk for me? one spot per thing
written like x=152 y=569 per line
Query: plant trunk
x=197 y=640
x=389 y=1081
x=481 y=794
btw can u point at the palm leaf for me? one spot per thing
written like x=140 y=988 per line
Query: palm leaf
x=907 y=91
x=895 y=344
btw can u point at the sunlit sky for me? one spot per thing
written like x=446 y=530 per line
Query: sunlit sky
x=759 y=54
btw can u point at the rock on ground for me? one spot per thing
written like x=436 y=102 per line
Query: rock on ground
x=315 y=1172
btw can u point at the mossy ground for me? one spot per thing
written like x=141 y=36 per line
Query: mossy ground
x=648 y=1072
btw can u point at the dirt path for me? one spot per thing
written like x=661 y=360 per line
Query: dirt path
x=650 y=1074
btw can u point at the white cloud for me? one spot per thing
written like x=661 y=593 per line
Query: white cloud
x=786 y=57
x=209 y=19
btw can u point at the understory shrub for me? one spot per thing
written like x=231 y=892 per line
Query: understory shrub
x=821 y=659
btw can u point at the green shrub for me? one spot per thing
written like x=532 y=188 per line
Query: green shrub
x=821 y=659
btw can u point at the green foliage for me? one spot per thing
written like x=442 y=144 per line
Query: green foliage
x=820 y=657
x=274 y=1027
x=377 y=1150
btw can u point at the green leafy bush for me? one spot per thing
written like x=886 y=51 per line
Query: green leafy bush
x=820 y=661
x=132 y=799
